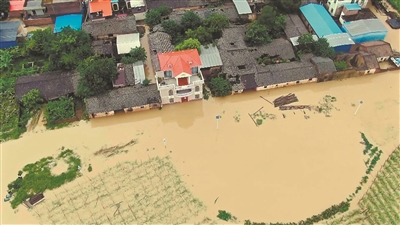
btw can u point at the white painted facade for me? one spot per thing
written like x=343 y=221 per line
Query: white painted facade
x=335 y=6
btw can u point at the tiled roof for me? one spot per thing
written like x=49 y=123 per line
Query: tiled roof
x=294 y=26
x=360 y=27
x=121 y=25
x=378 y=48
x=180 y=61
x=210 y=56
x=159 y=42
x=324 y=65
x=103 y=6
x=175 y=4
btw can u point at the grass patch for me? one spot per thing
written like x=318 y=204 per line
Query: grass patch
x=395 y=4
x=38 y=177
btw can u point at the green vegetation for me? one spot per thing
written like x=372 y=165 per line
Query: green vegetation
x=219 y=87
x=90 y=169
x=190 y=20
x=189 y=44
x=326 y=105
x=266 y=59
x=201 y=34
x=59 y=110
x=395 y=4
x=146 y=82
x=206 y=93
x=154 y=16
x=319 y=48
x=38 y=177
x=224 y=215
x=135 y=55
x=11 y=125
x=340 y=65
x=4 y=7
x=174 y=29
x=269 y=25
x=287 y=6
x=97 y=75
x=32 y=100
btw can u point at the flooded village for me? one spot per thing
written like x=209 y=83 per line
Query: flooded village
x=248 y=125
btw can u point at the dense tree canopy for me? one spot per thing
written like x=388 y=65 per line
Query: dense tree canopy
x=274 y=21
x=4 y=8
x=164 y=10
x=219 y=87
x=153 y=17
x=189 y=44
x=59 y=110
x=287 y=6
x=97 y=75
x=31 y=99
x=201 y=34
x=174 y=29
x=257 y=34
x=135 y=55
x=190 y=20
x=215 y=23
x=320 y=47
x=65 y=50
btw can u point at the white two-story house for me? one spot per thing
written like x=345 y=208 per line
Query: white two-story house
x=180 y=78
x=335 y=7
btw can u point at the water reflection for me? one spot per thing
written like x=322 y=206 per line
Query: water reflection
x=183 y=114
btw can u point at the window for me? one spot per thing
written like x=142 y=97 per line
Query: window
x=195 y=70
x=154 y=51
x=332 y=10
x=142 y=107
x=310 y=79
x=168 y=73
x=155 y=105
x=232 y=43
x=197 y=96
x=170 y=92
x=276 y=85
x=242 y=67
x=171 y=100
x=197 y=88
x=297 y=82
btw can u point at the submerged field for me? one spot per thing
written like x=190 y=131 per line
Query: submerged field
x=286 y=169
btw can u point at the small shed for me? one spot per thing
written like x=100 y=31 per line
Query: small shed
x=365 y=30
x=8 y=34
x=211 y=60
x=126 y=42
x=381 y=49
x=324 y=66
x=34 y=200
x=73 y=20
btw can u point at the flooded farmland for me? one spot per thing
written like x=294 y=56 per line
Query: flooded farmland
x=286 y=169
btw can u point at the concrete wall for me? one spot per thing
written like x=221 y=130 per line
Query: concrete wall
x=292 y=83
x=127 y=110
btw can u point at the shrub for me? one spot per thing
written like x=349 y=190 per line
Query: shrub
x=31 y=99
x=90 y=168
x=59 y=110
x=224 y=215
x=219 y=87
x=340 y=65
x=146 y=82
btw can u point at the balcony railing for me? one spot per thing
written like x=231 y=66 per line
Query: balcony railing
x=184 y=93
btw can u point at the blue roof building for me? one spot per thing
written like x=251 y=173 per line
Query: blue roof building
x=8 y=34
x=318 y=19
x=365 y=30
x=352 y=6
x=73 y=20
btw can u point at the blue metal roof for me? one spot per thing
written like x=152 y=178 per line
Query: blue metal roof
x=320 y=20
x=72 y=20
x=7 y=44
x=352 y=6
x=8 y=32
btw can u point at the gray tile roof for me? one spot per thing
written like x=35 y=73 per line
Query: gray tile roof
x=122 y=98
x=360 y=61
x=159 y=42
x=232 y=38
x=210 y=56
x=294 y=26
x=279 y=46
x=102 y=47
x=229 y=11
x=248 y=81
x=324 y=65
x=360 y=27
x=129 y=75
x=51 y=85
x=175 y=4
x=378 y=48
x=122 y=25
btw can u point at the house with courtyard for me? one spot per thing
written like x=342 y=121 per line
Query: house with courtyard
x=244 y=66
x=52 y=85
x=319 y=22
x=123 y=100
x=211 y=60
x=35 y=14
x=244 y=10
x=177 y=5
x=110 y=28
x=16 y=9
x=365 y=30
x=179 y=78
x=381 y=49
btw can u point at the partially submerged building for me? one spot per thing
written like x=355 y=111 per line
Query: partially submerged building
x=319 y=22
x=381 y=49
x=123 y=100
x=211 y=60
x=179 y=78
x=365 y=30
x=52 y=85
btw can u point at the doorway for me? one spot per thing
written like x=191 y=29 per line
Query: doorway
x=184 y=99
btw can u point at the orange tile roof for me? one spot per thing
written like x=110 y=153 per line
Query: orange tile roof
x=101 y=6
x=17 y=5
x=179 y=61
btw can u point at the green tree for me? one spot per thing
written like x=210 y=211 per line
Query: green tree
x=96 y=75
x=153 y=17
x=40 y=42
x=174 y=29
x=164 y=10
x=306 y=43
x=274 y=21
x=31 y=99
x=340 y=65
x=4 y=8
x=322 y=48
x=59 y=110
x=215 y=23
x=201 y=34
x=5 y=59
x=287 y=6
x=190 y=20
x=135 y=55
x=257 y=34
x=219 y=87
x=189 y=44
